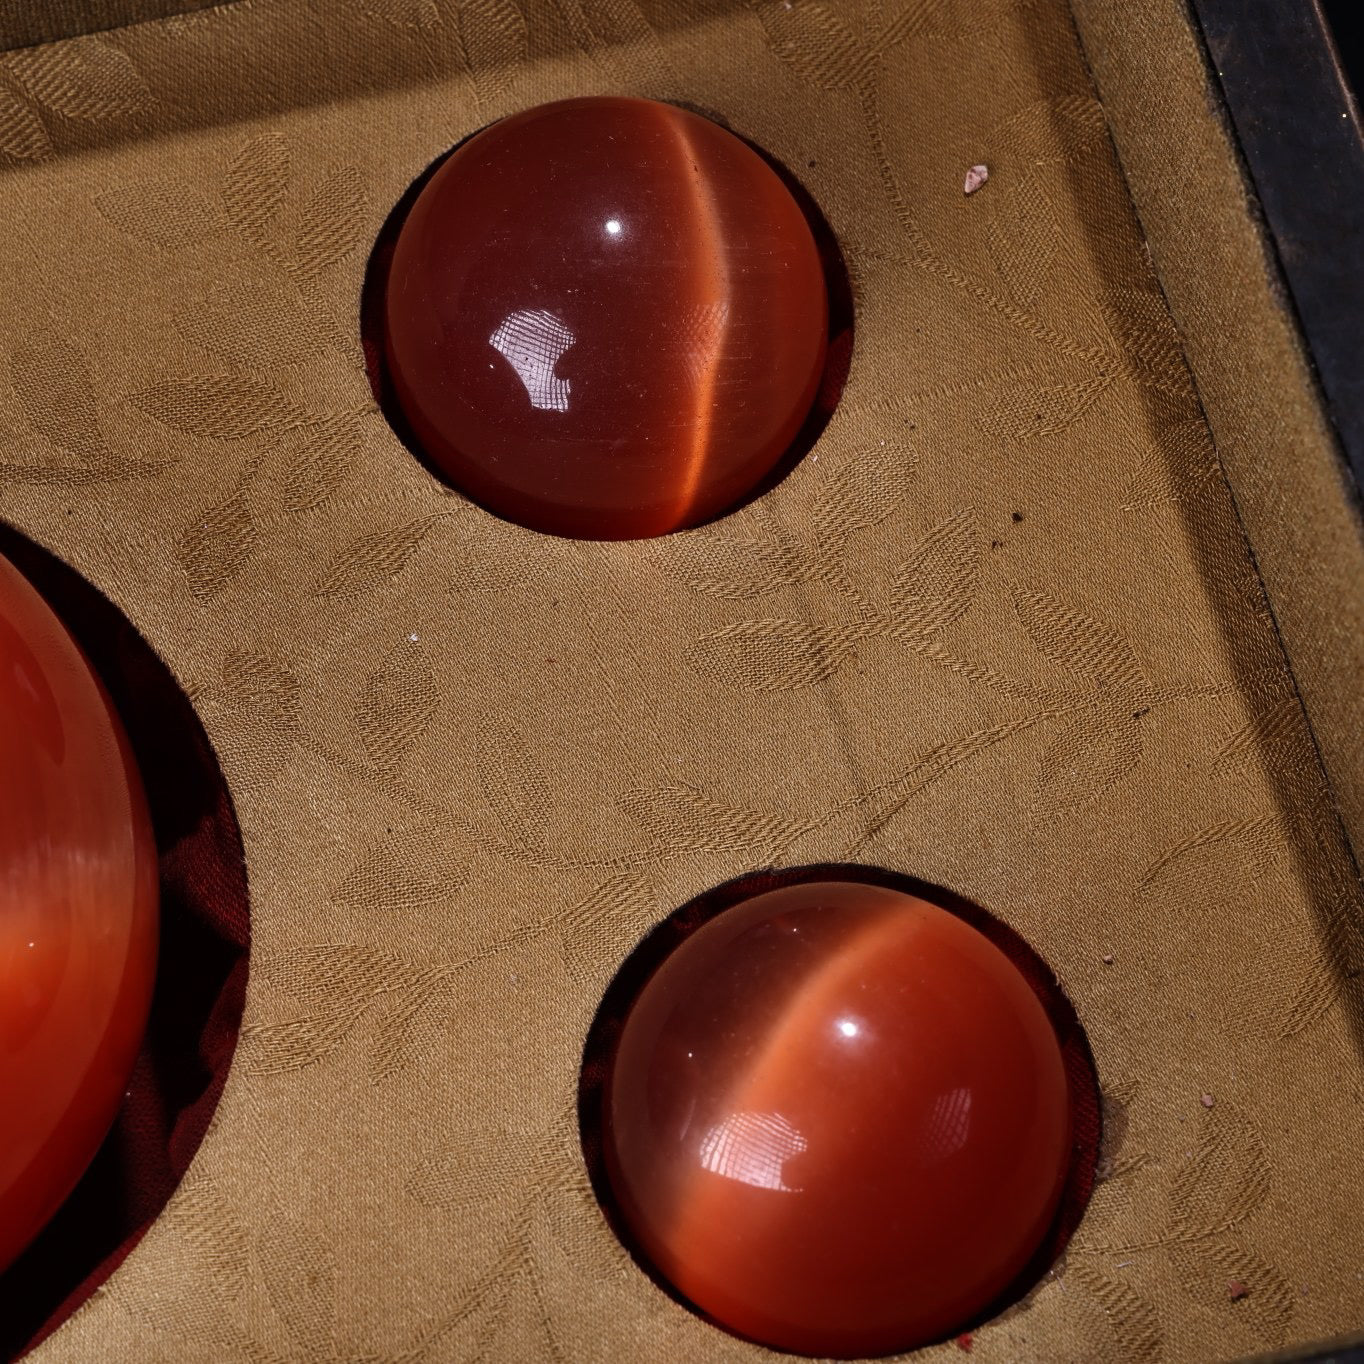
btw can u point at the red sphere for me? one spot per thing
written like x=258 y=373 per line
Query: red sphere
x=605 y=318
x=837 y=1120
x=78 y=913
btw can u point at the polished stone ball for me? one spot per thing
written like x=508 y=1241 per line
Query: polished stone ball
x=78 y=913
x=837 y=1120
x=605 y=318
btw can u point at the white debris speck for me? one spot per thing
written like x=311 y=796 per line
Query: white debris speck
x=975 y=178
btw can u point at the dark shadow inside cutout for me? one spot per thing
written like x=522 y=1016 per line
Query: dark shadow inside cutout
x=603 y=1036
x=201 y=975
x=836 y=278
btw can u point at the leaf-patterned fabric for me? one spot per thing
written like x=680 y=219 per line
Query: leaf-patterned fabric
x=1001 y=629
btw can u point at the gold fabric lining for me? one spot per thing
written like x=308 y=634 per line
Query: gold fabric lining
x=1001 y=630
x=1292 y=490
x=27 y=24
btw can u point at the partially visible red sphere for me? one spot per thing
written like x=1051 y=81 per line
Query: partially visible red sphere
x=606 y=318
x=78 y=913
x=837 y=1120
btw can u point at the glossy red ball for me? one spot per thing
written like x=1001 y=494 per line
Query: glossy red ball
x=837 y=1120
x=605 y=318
x=78 y=913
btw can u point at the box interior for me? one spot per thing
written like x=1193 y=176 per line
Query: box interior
x=473 y=766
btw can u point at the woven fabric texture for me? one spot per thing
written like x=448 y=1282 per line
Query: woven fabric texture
x=1001 y=629
x=26 y=24
x=1292 y=489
